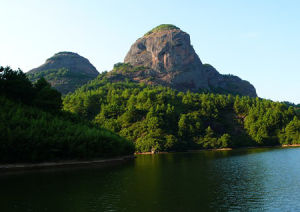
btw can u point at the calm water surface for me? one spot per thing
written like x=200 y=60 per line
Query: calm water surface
x=255 y=180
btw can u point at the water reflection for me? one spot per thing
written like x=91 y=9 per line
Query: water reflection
x=255 y=179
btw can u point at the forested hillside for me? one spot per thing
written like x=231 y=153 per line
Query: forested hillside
x=33 y=127
x=159 y=118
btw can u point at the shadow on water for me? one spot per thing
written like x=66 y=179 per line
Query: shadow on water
x=246 y=179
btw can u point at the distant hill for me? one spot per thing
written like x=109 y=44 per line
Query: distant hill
x=65 y=71
x=165 y=56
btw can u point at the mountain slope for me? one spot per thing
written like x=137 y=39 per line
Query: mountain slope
x=66 y=71
x=165 y=56
x=158 y=118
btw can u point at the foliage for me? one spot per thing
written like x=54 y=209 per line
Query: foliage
x=46 y=97
x=16 y=86
x=127 y=68
x=161 y=28
x=29 y=134
x=62 y=79
x=33 y=128
x=162 y=119
x=55 y=74
x=291 y=133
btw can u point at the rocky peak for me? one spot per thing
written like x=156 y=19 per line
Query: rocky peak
x=65 y=71
x=73 y=61
x=166 y=52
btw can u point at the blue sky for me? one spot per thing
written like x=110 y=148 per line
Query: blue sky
x=256 y=40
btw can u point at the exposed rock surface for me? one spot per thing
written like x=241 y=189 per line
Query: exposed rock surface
x=168 y=58
x=221 y=83
x=66 y=71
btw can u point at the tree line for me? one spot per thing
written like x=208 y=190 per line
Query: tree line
x=33 y=127
x=159 y=118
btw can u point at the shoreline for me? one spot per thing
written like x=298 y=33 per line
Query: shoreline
x=220 y=149
x=64 y=164
x=110 y=161
x=290 y=145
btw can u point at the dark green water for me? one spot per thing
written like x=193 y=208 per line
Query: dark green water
x=257 y=179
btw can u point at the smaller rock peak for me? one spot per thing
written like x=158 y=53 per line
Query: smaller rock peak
x=66 y=71
x=162 y=27
x=65 y=53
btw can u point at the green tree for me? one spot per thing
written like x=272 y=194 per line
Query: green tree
x=47 y=97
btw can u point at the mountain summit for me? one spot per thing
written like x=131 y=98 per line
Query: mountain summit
x=66 y=71
x=169 y=59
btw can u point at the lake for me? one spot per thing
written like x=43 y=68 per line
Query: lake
x=248 y=179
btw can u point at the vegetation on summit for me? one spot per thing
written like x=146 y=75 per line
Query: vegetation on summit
x=162 y=27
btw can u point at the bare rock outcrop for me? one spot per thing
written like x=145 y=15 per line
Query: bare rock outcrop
x=166 y=52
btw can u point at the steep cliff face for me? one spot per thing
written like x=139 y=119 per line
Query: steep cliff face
x=66 y=71
x=169 y=59
x=169 y=53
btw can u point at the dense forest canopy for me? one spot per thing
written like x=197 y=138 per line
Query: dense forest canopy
x=158 y=118
x=33 y=127
x=16 y=86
